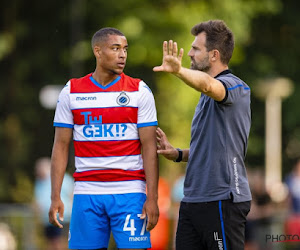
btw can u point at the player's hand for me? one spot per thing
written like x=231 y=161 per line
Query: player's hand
x=57 y=206
x=164 y=147
x=151 y=212
x=171 y=59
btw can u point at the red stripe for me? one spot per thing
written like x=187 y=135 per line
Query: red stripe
x=110 y=175
x=85 y=85
x=109 y=115
x=107 y=148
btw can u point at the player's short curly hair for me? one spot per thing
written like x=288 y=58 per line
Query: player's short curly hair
x=103 y=33
x=218 y=36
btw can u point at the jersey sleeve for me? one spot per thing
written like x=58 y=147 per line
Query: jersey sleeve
x=146 y=107
x=235 y=89
x=63 y=114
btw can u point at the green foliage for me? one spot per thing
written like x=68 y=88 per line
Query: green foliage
x=273 y=51
x=22 y=192
x=49 y=43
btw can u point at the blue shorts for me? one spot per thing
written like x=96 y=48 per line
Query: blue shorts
x=94 y=217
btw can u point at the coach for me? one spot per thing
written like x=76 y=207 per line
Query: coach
x=216 y=191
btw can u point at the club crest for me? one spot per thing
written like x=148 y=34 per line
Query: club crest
x=123 y=99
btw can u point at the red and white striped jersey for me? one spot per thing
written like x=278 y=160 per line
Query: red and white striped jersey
x=105 y=122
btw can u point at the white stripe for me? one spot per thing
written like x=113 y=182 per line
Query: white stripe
x=101 y=99
x=147 y=111
x=106 y=132
x=132 y=162
x=118 y=187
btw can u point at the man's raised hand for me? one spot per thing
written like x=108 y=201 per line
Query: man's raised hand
x=171 y=58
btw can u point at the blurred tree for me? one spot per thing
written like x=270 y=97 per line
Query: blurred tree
x=49 y=43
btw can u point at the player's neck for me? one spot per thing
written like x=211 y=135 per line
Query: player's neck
x=104 y=78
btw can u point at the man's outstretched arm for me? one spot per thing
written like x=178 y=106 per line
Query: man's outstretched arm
x=196 y=79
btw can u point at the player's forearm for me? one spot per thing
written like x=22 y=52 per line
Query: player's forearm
x=59 y=159
x=59 y=162
x=150 y=160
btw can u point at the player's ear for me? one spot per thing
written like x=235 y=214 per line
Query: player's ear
x=97 y=51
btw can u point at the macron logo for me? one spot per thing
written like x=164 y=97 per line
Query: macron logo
x=85 y=98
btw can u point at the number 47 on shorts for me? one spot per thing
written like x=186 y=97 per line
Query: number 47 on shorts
x=129 y=225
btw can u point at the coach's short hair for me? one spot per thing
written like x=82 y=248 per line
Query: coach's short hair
x=103 y=33
x=218 y=36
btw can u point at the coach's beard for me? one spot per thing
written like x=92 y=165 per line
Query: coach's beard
x=205 y=67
